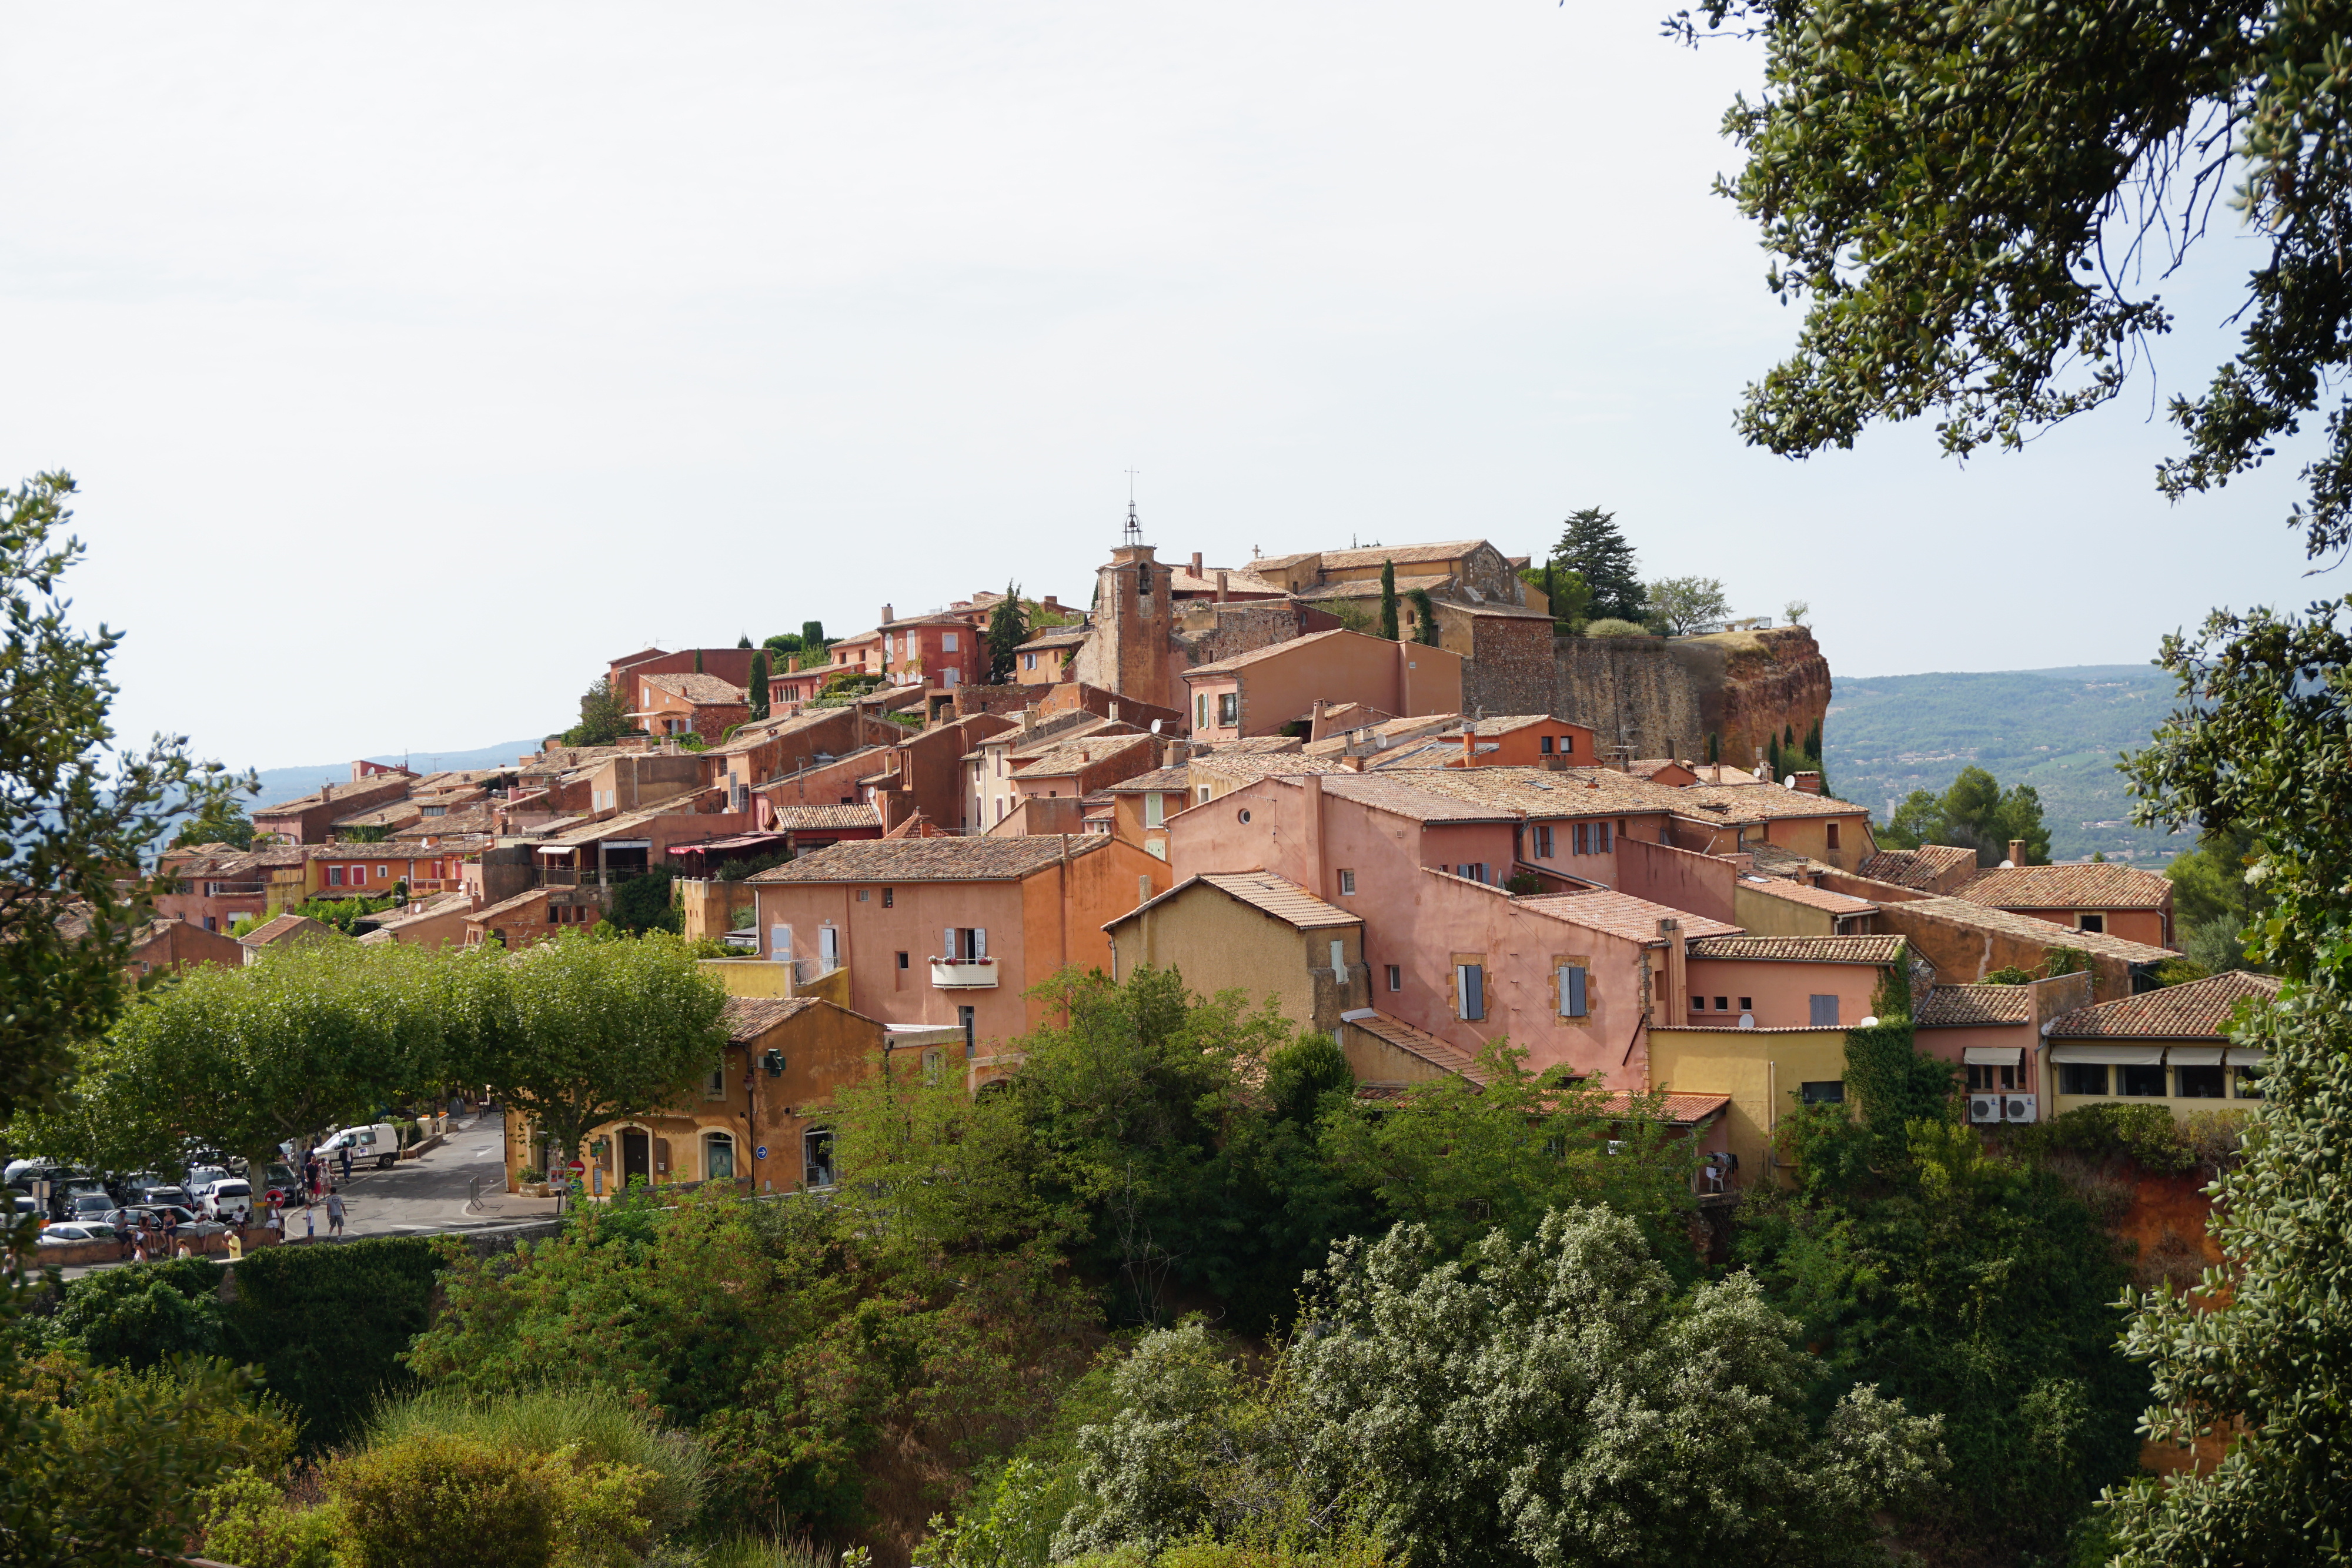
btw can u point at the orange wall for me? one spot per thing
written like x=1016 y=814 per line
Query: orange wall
x=1782 y=991
x=2148 y=926
x=1523 y=747
x=1407 y=679
x=1385 y=851
x=1676 y=877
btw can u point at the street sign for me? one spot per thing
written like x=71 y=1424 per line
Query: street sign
x=760 y=1153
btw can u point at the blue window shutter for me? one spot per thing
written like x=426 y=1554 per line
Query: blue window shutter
x=1576 y=980
x=1470 y=982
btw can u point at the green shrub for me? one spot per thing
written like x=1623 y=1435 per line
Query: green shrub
x=2147 y=1134
x=409 y=1503
x=328 y=1325
x=1610 y=626
x=248 y=1521
x=142 y=1316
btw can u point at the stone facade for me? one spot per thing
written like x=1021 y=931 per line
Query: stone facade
x=1660 y=698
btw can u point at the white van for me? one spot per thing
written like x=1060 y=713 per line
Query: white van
x=379 y=1142
x=229 y=1199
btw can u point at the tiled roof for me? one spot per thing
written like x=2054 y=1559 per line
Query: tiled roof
x=1238 y=579
x=1159 y=780
x=1266 y=765
x=1058 y=637
x=1370 y=588
x=1257 y=746
x=933 y=859
x=1542 y=792
x=2087 y=886
x=1918 y=868
x=1621 y=914
x=1802 y=950
x=1404 y=555
x=1272 y=651
x=325 y=795
x=610 y=827
x=1649 y=768
x=507 y=905
x=1398 y=798
x=1949 y=1007
x=1421 y=1043
x=1263 y=891
x=1681 y=1110
x=749 y=1018
x=391 y=816
x=281 y=928
x=2194 y=1011
x=2041 y=933
x=809 y=817
x=698 y=688
x=1507 y=724
x=1073 y=756
x=1805 y=893
x=1759 y=802
x=472 y=819
x=1046 y=734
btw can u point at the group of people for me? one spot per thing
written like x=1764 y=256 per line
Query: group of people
x=153 y=1235
x=156 y=1231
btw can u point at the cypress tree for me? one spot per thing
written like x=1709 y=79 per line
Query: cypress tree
x=1713 y=746
x=743 y=639
x=1426 y=614
x=1789 y=736
x=1008 y=628
x=758 y=691
x=697 y=661
x=1388 y=600
x=1774 y=755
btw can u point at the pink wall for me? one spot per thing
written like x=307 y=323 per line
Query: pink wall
x=1782 y=992
x=1385 y=851
x=1947 y=1044
x=1676 y=877
x=914 y=923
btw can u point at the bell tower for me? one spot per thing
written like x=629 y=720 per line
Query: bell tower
x=1134 y=617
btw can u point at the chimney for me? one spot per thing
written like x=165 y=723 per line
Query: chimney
x=2017 y=851
x=1808 y=783
x=1469 y=745
x=1222 y=590
x=1196 y=563
x=887 y=616
x=1171 y=754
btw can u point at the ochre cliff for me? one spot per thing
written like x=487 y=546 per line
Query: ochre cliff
x=1657 y=697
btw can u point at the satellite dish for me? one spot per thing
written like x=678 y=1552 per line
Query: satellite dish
x=1789 y=782
x=1870 y=1022
x=1155 y=726
x=1747 y=1020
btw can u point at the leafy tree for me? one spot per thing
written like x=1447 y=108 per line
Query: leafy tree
x=782 y=642
x=574 y=1032
x=1973 y=814
x=603 y=717
x=1797 y=612
x=1595 y=549
x=1974 y=207
x=76 y=811
x=648 y=903
x=812 y=637
x=222 y=821
x=1688 y=603
x=1551 y=1401
x=1389 y=602
x=1424 y=614
x=315 y=1035
x=2212 y=902
x=756 y=695
x=1008 y=628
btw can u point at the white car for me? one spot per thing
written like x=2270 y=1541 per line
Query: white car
x=229 y=1198
x=200 y=1178
x=65 y=1233
x=379 y=1142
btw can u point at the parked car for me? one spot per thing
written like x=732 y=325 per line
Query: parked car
x=203 y=1176
x=279 y=1179
x=66 y=1232
x=80 y=1206
x=191 y=1222
x=230 y=1198
x=379 y=1142
x=76 y=1195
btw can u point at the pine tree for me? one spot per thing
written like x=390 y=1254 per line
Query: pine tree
x=759 y=688
x=1593 y=547
x=743 y=639
x=1814 y=743
x=1388 y=600
x=1008 y=628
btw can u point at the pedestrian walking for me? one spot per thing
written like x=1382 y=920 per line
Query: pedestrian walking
x=275 y=1225
x=335 y=1215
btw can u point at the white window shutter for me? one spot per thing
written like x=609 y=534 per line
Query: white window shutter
x=948 y=951
x=979 y=944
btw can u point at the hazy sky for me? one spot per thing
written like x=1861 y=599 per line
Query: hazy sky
x=414 y=360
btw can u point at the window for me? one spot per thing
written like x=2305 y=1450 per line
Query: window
x=1200 y=711
x=863 y=893
x=1723 y=1004
x=2145 y=1082
x=1028 y=660
x=1242 y=816
x=935 y=1064
x=718 y=1157
x=1396 y=976
x=948 y=642
x=2082 y=1078
x=1592 y=838
x=969 y=1019
x=1339 y=961
x=967 y=943
x=1745 y=1006
x=817 y=1158
x=1470 y=991
x=383 y=873
x=1825 y=1011
x=902 y=960
x=1828 y=1093
x=714 y=1087
x=1698 y=1004
x=1347 y=882
x=889 y=898
x=2090 y=923
x=1834 y=835
x=334 y=876
x=1229 y=708
x=1543 y=841
x=1155 y=810
x=950 y=676
x=1544 y=746
x=1574 y=991
x=1985 y=1079
x=2198 y=1083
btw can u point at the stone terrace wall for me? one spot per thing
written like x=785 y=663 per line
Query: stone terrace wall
x=1661 y=696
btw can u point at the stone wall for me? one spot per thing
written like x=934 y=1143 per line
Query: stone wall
x=1658 y=696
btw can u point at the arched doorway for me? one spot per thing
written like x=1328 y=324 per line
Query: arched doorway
x=636 y=1155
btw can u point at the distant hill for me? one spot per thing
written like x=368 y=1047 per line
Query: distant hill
x=287 y=783
x=2058 y=731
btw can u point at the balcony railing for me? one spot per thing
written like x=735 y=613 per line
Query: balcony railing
x=564 y=876
x=964 y=974
x=236 y=889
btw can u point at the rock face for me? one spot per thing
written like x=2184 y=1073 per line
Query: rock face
x=1656 y=696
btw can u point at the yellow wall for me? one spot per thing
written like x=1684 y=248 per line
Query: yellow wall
x=1221 y=944
x=1760 y=1069
x=1765 y=915
x=752 y=977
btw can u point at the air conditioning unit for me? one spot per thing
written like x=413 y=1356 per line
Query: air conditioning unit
x=2017 y=1107
x=1984 y=1107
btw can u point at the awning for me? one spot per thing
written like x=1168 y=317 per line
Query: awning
x=2113 y=1055
x=2244 y=1056
x=2195 y=1055
x=739 y=842
x=557 y=848
x=1993 y=1055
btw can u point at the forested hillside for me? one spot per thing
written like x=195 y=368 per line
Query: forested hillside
x=2058 y=731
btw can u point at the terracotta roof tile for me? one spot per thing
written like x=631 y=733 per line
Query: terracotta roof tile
x=1539 y=792
x=1681 y=1110
x=1806 y=893
x=1238 y=579
x=1370 y=588
x=810 y=818
x=1920 y=868
x=1802 y=950
x=1960 y=912
x=2085 y=886
x=2198 y=1010
x=1950 y=1006
x=1759 y=802
x=1257 y=744
x=1159 y=780
x=284 y=926
x=1419 y=1042
x=1619 y=914
x=749 y=1018
x=933 y=860
x=1074 y=756
x=507 y=905
x=1263 y=891
x=1272 y=651
x=1057 y=637
x=1404 y=555
x=698 y=688
x=1253 y=765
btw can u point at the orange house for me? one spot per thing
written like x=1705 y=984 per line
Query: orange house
x=2116 y=899
x=1787 y=982
x=952 y=930
x=1527 y=740
x=689 y=703
x=1267 y=690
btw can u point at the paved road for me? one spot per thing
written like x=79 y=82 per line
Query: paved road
x=432 y=1192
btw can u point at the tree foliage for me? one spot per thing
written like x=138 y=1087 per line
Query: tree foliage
x=1552 y=1401
x=221 y=821
x=1594 y=547
x=603 y=717
x=1688 y=604
x=1973 y=814
x=756 y=689
x=1008 y=628
x=1424 y=617
x=1389 y=602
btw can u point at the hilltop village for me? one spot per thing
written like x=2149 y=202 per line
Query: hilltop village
x=1472 y=829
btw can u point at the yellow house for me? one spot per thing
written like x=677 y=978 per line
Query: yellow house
x=1766 y=1071
x=2164 y=1047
